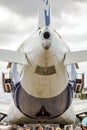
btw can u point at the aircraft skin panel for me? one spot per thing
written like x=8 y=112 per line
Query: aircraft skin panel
x=5 y=103
x=80 y=106
x=4 y=109
x=13 y=57
x=75 y=57
x=13 y=115
x=68 y=116
x=41 y=85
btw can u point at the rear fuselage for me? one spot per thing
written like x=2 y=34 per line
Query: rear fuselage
x=42 y=90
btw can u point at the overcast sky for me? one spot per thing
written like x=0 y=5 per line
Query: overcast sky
x=19 y=18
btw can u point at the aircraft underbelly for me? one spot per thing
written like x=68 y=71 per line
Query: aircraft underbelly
x=42 y=108
x=67 y=117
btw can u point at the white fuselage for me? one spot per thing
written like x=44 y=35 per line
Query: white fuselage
x=42 y=85
x=45 y=76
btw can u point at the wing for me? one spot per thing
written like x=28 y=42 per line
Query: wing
x=5 y=103
x=80 y=106
x=13 y=56
x=75 y=57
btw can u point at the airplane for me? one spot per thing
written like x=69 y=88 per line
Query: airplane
x=43 y=76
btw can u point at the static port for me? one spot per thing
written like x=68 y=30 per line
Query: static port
x=46 y=35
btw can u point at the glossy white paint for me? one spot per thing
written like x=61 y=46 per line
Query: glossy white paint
x=40 y=85
x=74 y=57
x=13 y=56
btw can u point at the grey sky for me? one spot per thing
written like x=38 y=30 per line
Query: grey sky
x=21 y=7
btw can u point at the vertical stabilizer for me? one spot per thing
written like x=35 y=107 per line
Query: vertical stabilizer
x=44 y=13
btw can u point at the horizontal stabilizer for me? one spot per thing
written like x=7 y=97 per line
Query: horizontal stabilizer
x=75 y=57
x=13 y=56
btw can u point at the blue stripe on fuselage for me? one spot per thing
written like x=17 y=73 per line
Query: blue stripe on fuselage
x=46 y=2
x=14 y=77
x=47 y=12
x=47 y=17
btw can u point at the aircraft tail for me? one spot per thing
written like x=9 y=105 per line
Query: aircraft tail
x=44 y=13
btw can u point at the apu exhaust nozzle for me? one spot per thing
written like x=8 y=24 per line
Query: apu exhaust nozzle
x=46 y=40
x=46 y=35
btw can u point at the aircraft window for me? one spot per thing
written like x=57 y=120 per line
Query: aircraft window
x=45 y=70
